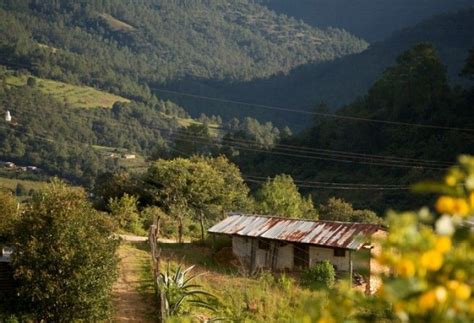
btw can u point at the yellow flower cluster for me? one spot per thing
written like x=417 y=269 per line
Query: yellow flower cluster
x=426 y=264
x=429 y=257
x=455 y=206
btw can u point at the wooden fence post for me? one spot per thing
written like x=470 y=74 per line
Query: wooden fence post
x=156 y=261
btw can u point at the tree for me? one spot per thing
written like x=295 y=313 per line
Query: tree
x=337 y=209
x=125 y=211
x=65 y=262
x=468 y=70
x=200 y=187
x=8 y=215
x=413 y=88
x=113 y=185
x=31 y=82
x=194 y=139
x=219 y=191
x=280 y=196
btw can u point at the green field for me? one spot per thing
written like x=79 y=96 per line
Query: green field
x=73 y=95
x=11 y=183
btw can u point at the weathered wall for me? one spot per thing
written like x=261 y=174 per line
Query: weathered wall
x=241 y=248
x=317 y=254
x=285 y=257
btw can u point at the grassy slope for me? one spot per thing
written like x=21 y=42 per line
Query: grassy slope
x=240 y=298
x=87 y=97
x=74 y=95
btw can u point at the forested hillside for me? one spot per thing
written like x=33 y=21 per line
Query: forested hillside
x=127 y=46
x=425 y=125
x=339 y=82
x=369 y=19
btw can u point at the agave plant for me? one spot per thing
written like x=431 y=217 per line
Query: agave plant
x=180 y=292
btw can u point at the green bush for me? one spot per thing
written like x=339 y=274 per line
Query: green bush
x=321 y=275
x=285 y=282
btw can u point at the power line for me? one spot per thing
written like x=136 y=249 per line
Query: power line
x=254 y=179
x=321 y=114
x=262 y=178
x=327 y=153
x=203 y=140
x=333 y=187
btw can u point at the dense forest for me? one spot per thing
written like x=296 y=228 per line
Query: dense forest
x=388 y=155
x=337 y=82
x=371 y=20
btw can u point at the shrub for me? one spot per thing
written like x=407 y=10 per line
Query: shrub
x=180 y=291
x=31 y=82
x=321 y=275
x=21 y=190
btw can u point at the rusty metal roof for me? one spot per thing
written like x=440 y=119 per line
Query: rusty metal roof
x=346 y=235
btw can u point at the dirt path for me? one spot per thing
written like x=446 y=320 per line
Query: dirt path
x=133 y=290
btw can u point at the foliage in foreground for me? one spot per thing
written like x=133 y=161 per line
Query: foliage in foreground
x=431 y=255
x=65 y=262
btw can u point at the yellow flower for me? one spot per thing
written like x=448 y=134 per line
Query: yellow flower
x=405 y=268
x=427 y=301
x=460 y=207
x=450 y=180
x=453 y=285
x=462 y=292
x=431 y=260
x=446 y=204
x=443 y=244
x=326 y=319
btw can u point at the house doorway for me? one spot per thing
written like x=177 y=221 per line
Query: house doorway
x=301 y=255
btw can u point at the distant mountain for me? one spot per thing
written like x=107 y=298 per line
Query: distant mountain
x=338 y=82
x=371 y=19
x=125 y=45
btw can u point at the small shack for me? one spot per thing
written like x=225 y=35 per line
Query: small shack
x=283 y=244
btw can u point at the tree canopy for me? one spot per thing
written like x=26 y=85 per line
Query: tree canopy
x=280 y=196
x=64 y=260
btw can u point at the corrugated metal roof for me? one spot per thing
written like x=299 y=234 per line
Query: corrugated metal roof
x=346 y=235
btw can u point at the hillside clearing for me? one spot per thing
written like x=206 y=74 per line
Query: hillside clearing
x=116 y=24
x=73 y=95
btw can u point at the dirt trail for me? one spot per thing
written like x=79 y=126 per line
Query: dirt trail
x=133 y=293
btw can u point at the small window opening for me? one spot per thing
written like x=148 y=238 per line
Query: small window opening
x=339 y=253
